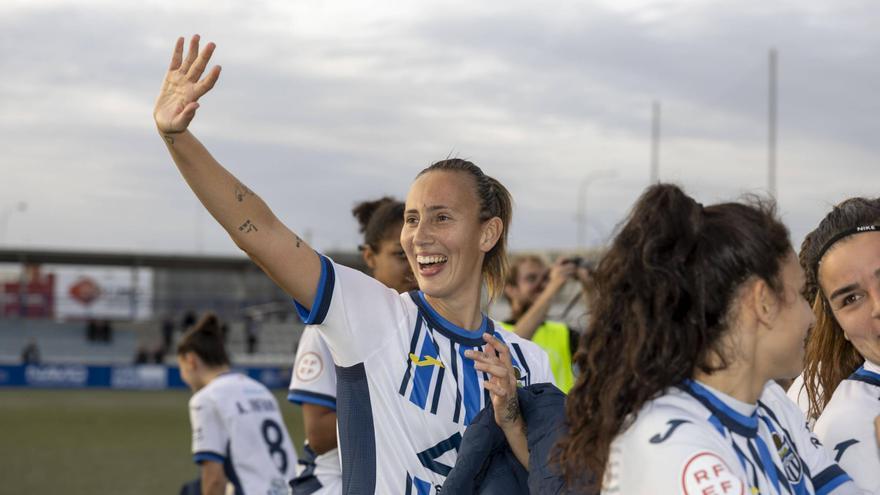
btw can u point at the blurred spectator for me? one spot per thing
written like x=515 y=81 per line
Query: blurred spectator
x=167 y=333
x=224 y=331
x=158 y=356
x=105 y=331
x=92 y=331
x=31 y=353
x=251 y=331
x=142 y=356
x=530 y=289
x=189 y=319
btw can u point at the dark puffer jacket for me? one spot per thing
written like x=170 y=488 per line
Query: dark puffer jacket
x=487 y=466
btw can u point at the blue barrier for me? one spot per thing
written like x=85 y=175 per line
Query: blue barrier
x=137 y=377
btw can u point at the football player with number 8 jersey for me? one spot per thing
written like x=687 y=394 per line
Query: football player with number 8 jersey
x=238 y=435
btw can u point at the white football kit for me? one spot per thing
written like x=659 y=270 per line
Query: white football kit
x=797 y=392
x=405 y=391
x=236 y=422
x=313 y=381
x=695 y=440
x=846 y=426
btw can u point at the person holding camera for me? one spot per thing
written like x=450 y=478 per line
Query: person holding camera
x=530 y=289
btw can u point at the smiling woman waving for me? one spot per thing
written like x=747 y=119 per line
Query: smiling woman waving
x=407 y=383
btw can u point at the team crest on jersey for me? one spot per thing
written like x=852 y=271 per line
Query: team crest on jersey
x=707 y=473
x=309 y=367
x=791 y=462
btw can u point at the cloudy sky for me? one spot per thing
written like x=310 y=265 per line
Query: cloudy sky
x=323 y=103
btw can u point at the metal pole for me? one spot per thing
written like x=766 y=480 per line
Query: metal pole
x=581 y=215
x=771 y=125
x=655 y=143
x=21 y=206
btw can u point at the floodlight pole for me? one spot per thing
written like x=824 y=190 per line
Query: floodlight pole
x=771 y=124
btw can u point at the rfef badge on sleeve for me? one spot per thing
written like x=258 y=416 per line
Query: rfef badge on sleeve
x=707 y=474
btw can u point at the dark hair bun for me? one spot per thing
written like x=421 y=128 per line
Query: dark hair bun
x=208 y=324
x=365 y=210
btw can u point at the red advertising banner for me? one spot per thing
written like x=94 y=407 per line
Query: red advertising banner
x=33 y=296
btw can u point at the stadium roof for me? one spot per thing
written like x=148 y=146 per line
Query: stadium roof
x=152 y=260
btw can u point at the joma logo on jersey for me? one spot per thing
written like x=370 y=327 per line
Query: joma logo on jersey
x=673 y=425
x=791 y=462
x=427 y=361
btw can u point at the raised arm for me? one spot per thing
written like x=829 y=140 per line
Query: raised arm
x=277 y=250
x=534 y=317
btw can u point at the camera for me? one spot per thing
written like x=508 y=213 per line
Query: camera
x=580 y=262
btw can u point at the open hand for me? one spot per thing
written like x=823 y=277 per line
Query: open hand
x=177 y=102
x=495 y=360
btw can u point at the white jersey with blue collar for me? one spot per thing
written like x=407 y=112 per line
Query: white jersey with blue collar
x=236 y=422
x=405 y=391
x=313 y=381
x=846 y=426
x=695 y=440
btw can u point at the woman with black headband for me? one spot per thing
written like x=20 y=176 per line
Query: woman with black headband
x=841 y=259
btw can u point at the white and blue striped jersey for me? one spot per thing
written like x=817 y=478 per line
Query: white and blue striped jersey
x=695 y=440
x=846 y=426
x=405 y=391
x=313 y=381
x=236 y=422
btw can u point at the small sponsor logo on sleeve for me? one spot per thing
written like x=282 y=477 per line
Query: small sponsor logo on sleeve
x=309 y=367
x=707 y=474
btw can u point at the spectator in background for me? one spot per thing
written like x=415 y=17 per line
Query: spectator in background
x=224 y=331
x=92 y=331
x=189 y=319
x=105 y=331
x=31 y=353
x=167 y=333
x=251 y=332
x=142 y=355
x=530 y=290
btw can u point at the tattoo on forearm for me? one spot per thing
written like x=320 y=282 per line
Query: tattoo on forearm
x=247 y=227
x=169 y=138
x=511 y=410
x=298 y=240
x=242 y=192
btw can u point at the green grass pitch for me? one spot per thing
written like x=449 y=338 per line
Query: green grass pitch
x=88 y=442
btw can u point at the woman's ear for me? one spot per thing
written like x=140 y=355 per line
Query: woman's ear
x=369 y=257
x=490 y=232
x=765 y=301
